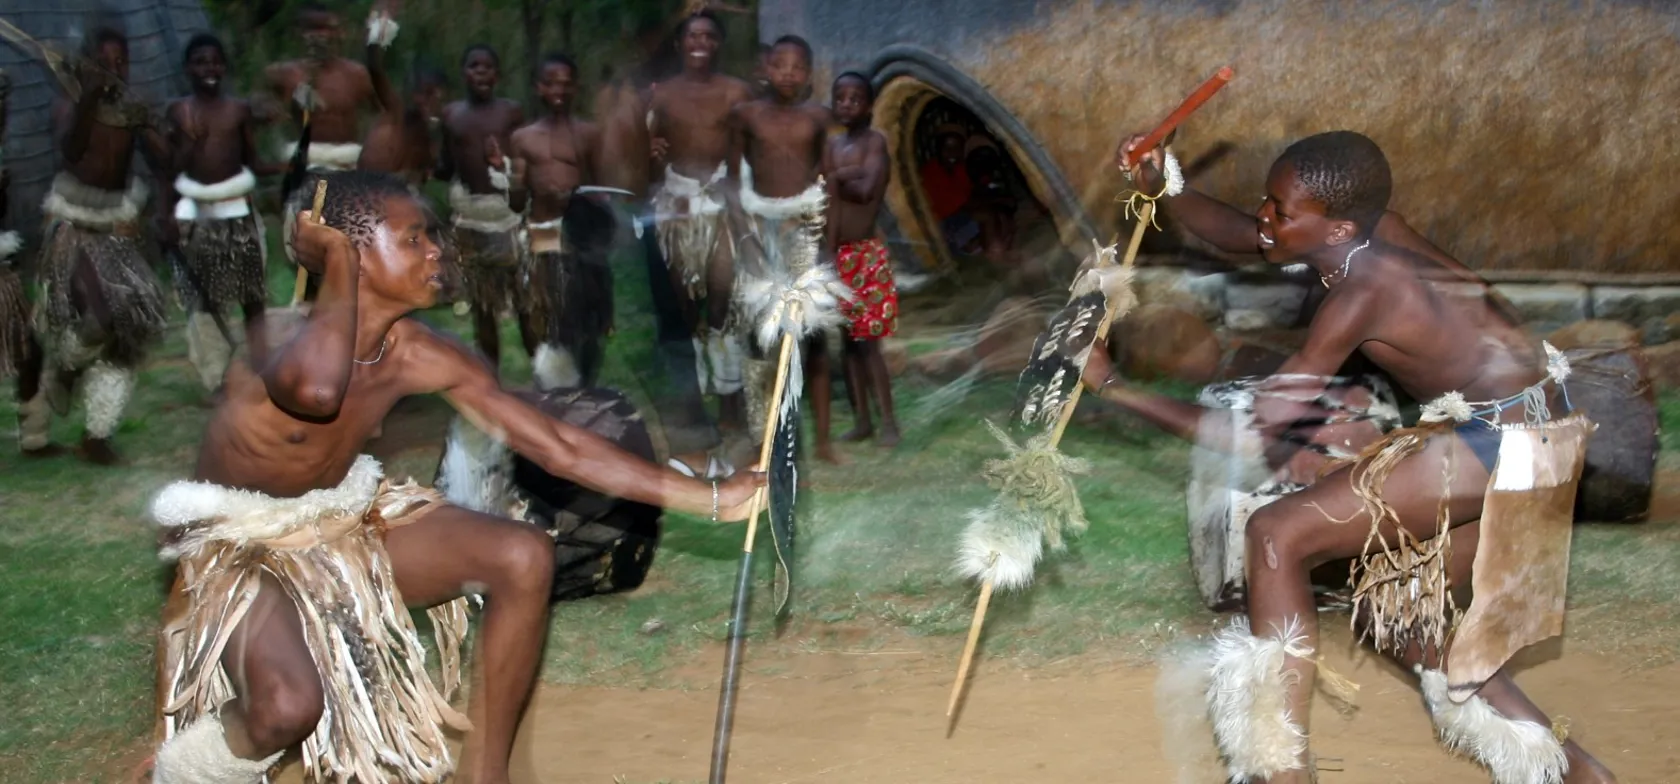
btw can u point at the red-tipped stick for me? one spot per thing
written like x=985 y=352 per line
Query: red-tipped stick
x=1184 y=110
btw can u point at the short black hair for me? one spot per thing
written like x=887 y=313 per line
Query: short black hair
x=794 y=41
x=706 y=14
x=868 y=86
x=355 y=203
x=102 y=35
x=423 y=75
x=558 y=58
x=1346 y=172
x=305 y=9
x=495 y=59
x=200 y=41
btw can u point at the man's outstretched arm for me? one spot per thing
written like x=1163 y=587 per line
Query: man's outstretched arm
x=450 y=368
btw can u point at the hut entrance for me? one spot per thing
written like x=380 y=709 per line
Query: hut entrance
x=969 y=190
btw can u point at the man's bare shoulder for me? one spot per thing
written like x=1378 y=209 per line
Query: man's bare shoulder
x=434 y=361
x=525 y=135
x=738 y=89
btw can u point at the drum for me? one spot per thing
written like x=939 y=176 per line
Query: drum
x=602 y=544
x=1613 y=388
x=1228 y=485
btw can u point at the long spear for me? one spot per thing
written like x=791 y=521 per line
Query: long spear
x=1018 y=572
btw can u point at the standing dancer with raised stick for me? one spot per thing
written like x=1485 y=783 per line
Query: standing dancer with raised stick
x=1036 y=496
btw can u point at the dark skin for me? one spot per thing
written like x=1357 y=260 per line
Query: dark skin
x=783 y=139
x=211 y=138
x=1385 y=308
x=343 y=85
x=400 y=139
x=475 y=131
x=556 y=154
x=692 y=133
x=101 y=155
x=856 y=168
x=626 y=155
x=299 y=411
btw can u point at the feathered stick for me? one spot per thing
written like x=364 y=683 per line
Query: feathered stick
x=790 y=296
x=1037 y=499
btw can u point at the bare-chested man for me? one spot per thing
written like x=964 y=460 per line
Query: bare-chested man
x=20 y=351
x=1325 y=198
x=299 y=542
x=103 y=304
x=486 y=217
x=400 y=140
x=210 y=218
x=857 y=169
x=776 y=157
x=570 y=235
x=691 y=114
x=334 y=90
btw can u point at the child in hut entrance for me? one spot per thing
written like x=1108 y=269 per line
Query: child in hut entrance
x=856 y=165
x=946 y=181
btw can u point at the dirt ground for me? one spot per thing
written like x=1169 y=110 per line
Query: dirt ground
x=878 y=717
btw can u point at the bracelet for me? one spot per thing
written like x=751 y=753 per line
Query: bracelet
x=714 y=500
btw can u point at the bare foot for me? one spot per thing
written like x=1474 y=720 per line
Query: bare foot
x=889 y=437
x=827 y=454
x=1583 y=769
x=856 y=434
x=98 y=451
x=50 y=450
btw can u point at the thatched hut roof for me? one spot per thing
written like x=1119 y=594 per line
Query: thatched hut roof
x=156 y=29
x=1528 y=135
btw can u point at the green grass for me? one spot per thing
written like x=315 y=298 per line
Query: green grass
x=80 y=585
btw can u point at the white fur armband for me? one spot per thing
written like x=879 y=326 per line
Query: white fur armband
x=1175 y=175
x=502 y=179
x=382 y=30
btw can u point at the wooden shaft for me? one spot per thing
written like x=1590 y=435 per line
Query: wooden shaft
x=774 y=410
x=968 y=650
x=1184 y=110
x=315 y=215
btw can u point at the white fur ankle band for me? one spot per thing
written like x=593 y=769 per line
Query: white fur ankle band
x=1248 y=701
x=200 y=755
x=1514 y=752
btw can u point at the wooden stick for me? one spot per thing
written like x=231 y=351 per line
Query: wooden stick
x=968 y=649
x=1068 y=408
x=762 y=496
x=1184 y=110
x=315 y=215
x=738 y=612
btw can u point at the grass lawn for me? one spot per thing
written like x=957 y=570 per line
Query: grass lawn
x=80 y=583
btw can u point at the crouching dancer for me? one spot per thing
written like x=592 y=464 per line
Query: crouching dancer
x=1500 y=475
x=286 y=623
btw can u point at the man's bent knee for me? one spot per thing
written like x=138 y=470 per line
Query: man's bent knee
x=525 y=558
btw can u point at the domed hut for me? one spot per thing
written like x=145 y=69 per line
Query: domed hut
x=156 y=30
x=1527 y=138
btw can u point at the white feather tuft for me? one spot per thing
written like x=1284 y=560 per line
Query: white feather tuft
x=1175 y=175
x=554 y=368
x=476 y=470
x=1514 y=752
x=382 y=30
x=1557 y=365
x=1248 y=701
x=999 y=547
x=10 y=243
x=1451 y=405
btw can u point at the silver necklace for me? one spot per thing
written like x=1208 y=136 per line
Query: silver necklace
x=1346 y=263
x=375 y=360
